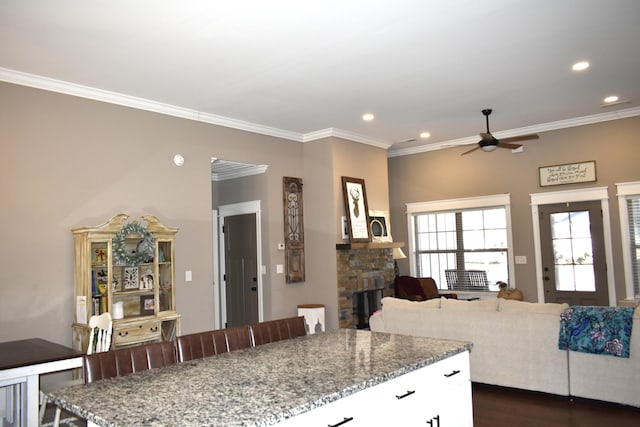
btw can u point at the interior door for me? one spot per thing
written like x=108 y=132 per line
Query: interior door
x=241 y=269
x=573 y=254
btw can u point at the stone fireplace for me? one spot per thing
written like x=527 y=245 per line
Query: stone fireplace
x=365 y=273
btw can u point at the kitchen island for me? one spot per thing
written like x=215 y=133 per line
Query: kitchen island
x=272 y=383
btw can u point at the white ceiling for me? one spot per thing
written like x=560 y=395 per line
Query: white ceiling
x=307 y=69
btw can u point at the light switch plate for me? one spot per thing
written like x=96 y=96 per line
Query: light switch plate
x=521 y=259
x=279 y=268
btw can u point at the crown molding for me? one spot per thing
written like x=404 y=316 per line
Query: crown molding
x=254 y=170
x=544 y=127
x=53 y=85
x=339 y=133
x=59 y=86
x=45 y=83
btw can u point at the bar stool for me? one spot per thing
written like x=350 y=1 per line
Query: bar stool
x=313 y=317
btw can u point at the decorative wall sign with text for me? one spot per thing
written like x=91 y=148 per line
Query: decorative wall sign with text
x=570 y=173
x=293 y=230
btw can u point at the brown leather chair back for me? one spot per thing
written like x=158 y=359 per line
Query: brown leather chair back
x=269 y=331
x=201 y=344
x=429 y=287
x=124 y=361
x=408 y=287
x=276 y=330
x=296 y=326
x=237 y=337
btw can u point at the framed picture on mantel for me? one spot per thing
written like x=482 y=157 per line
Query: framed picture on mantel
x=357 y=209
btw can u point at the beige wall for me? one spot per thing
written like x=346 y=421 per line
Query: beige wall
x=444 y=174
x=72 y=162
x=326 y=161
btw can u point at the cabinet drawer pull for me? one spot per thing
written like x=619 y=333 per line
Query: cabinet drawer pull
x=123 y=334
x=346 y=420
x=408 y=393
x=456 y=372
x=436 y=418
x=154 y=329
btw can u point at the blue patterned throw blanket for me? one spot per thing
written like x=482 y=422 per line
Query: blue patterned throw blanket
x=598 y=330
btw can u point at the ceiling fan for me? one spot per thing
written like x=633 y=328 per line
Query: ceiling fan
x=489 y=142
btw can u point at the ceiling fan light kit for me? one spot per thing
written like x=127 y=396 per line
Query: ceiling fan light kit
x=488 y=142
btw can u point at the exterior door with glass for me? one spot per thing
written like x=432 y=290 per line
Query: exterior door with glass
x=573 y=254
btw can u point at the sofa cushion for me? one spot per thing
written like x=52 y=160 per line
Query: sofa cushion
x=532 y=307
x=404 y=304
x=461 y=305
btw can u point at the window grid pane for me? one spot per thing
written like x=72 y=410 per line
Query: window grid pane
x=633 y=210
x=480 y=243
x=572 y=248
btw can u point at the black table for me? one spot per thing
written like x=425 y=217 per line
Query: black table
x=22 y=362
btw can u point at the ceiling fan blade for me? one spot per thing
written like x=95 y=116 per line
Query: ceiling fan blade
x=507 y=145
x=470 y=151
x=520 y=138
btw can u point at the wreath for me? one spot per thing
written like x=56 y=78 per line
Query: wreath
x=144 y=250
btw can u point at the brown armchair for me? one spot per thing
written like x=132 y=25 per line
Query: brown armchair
x=417 y=289
x=431 y=289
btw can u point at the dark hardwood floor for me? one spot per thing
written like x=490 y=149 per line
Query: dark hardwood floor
x=505 y=407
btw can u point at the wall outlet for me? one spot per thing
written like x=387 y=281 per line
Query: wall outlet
x=188 y=276
x=521 y=259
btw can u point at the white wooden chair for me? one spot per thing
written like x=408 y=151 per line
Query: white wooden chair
x=100 y=334
x=100 y=330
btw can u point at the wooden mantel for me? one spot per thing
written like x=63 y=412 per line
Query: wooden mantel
x=369 y=245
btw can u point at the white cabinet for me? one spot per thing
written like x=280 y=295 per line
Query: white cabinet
x=438 y=395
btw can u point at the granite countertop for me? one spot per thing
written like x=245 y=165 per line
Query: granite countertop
x=257 y=386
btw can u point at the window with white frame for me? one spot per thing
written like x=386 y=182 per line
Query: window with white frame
x=629 y=204
x=463 y=243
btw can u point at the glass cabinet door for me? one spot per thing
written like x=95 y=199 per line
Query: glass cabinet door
x=99 y=253
x=165 y=276
x=133 y=287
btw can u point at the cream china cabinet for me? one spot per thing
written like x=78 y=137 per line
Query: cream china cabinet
x=126 y=268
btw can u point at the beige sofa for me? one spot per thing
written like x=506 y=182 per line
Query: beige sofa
x=516 y=345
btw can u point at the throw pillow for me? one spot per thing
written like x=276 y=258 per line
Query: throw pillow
x=405 y=304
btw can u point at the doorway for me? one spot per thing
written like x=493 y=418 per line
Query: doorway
x=573 y=253
x=241 y=269
x=597 y=195
x=241 y=293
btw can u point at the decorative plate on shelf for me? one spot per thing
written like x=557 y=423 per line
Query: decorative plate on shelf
x=130 y=279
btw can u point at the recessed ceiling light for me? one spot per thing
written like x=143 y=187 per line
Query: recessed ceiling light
x=580 y=66
x=610 y=99
x=425 y=135
x=368 y=117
